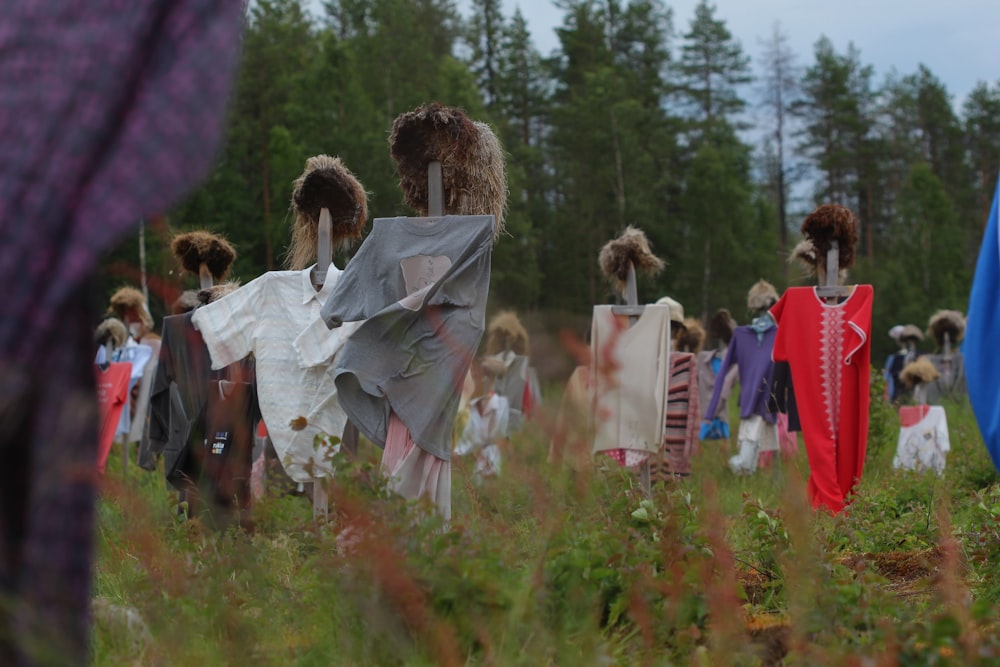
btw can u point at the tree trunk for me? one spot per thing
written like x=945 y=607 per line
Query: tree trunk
x=265 y=177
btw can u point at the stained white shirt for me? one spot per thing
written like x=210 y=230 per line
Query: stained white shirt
x=924 y=445
x=276 y=317
x=489 y=420
x=631 y=367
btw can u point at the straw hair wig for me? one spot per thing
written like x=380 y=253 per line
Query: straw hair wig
x=721 y=326
x=949 y=322
x=112 y=329
x=828 y=223
x=631 y=247
x=920 y=371
x=192 y=249
x=805 y=254
x=215 y=292
x=493 y=367
x=910 y=332
x=185 y=303
x=326 y=182
x=129 y=301
x=761 y=296
x=691 y=337
x=473 y=171
x=505 y=332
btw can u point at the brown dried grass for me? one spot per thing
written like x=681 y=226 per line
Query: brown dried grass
x=473 y=169
x=192 y=249
x=632 y=247
x=326 y=182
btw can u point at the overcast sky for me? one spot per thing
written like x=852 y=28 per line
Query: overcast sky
x=958 y=40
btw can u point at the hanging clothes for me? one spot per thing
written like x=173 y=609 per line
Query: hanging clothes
x=414 y=472
x=829 y=349
x=951 y=384
x=487 y=427
x=923 y=439
x=189 y=416
x=276 y=317
x=631 y=372
x=519 y=385
x=112 y=384
x=140 y=406
x=680 y=433
x=749 y=350
x=420 y=285
x=231 y=414
x=980 y=335
x=709 y=363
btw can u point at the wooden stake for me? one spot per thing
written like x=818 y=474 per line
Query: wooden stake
x=435 y=190
x=204 y=276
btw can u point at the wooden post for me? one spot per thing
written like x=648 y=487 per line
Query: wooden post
x=324 y=256
x=435 y=190
x=946 y=370
x=204 y=276
x=324 y=246
x=321 y=502
x=832 y=265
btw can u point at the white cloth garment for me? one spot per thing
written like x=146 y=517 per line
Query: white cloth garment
x=275 y=317
x=925 y=444
x=489 y=422
x=631 y=369
x=755 y=436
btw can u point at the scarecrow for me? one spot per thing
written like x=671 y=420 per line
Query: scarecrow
x=947 y=328
x=750 y=351
x=923 y=442
x=824 y=333
x=420 y=286
x=276 y=318
x=708 y=363
x=507 y=340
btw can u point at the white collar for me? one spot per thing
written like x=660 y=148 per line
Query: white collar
x=309 y=292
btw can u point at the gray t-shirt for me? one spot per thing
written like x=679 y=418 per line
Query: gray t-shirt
x=421 y=286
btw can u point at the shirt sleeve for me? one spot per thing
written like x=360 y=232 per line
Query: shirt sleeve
x=351 y=296
x=860 y=322
x=229 y=325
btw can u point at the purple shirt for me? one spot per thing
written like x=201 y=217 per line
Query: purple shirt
x=753 y=357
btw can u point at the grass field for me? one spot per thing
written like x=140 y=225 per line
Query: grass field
x=550 y=566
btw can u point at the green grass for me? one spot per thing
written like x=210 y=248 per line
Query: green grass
x=548 y=566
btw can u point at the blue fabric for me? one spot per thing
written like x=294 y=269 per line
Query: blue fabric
x=982 y=363
x=761 y=325
x=714 y=430
x=716 y=365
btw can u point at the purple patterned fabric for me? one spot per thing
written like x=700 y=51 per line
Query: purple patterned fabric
x=110 y=110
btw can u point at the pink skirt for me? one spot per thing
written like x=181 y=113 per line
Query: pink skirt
x=414 y=473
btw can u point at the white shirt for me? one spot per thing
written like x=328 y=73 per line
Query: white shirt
x=489 y=419
x=631 y=366
x=276 y=317
x=925 y=444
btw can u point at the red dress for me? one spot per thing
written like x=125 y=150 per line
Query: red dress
x=112 y=395
x=828 y=347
